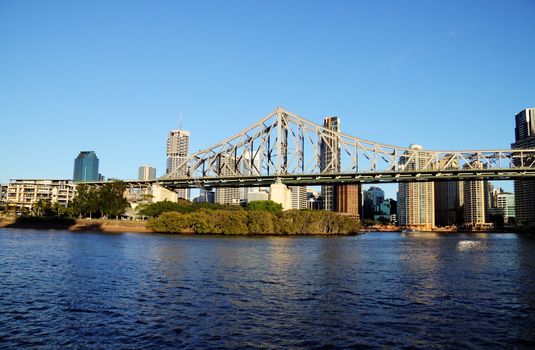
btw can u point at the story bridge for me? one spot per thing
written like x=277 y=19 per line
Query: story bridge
x=285 y=148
